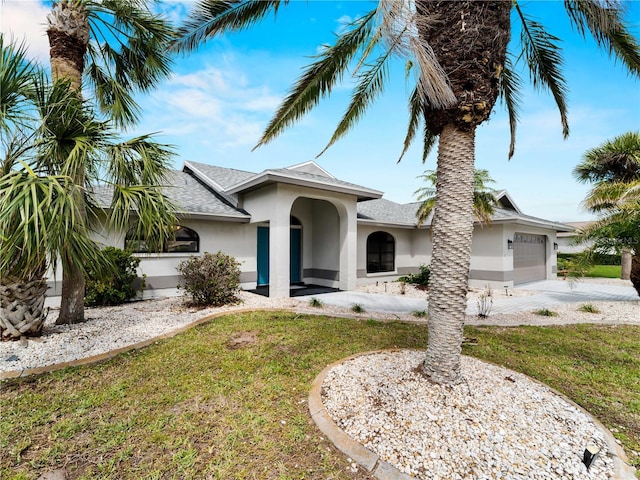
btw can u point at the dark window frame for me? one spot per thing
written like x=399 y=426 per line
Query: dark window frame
x=185 y=240
x=381 y=252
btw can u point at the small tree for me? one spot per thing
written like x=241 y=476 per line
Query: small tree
x=211 y=280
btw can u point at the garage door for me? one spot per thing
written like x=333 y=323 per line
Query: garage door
x=529 y=258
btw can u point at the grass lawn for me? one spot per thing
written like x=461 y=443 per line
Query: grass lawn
x=227 y=399
x=604 y=271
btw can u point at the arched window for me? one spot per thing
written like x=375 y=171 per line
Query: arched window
x=381 y=252
x=184 y=240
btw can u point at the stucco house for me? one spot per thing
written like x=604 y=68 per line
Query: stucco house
x=302 y=225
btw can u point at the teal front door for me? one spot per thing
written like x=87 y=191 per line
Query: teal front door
x=296 y=254
x=263 y=256
x=295 y=257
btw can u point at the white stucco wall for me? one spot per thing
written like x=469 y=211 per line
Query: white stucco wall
x=329 y=246
x=411 y=247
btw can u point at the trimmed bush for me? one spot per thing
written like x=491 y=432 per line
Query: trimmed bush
x=211 y=280
x=112 y=287
x=421 y=278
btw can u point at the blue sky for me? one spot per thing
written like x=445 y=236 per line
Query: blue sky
x=218 y=101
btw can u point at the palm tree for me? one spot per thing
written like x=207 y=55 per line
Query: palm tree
x=618 y=204
x=459 y=53
x=119 y=47
x=615 y=161
x=47 y=131
x=484 y=199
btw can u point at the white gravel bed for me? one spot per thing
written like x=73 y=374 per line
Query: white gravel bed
x=110 y=328
x=496 y=424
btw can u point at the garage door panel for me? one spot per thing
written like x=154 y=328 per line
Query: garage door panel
x=529 y=258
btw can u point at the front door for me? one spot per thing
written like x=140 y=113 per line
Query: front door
x=296 y=255
x=263 y=256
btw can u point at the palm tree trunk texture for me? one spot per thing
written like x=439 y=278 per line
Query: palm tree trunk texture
x=68 y=34
x=22 y=308
x=635 y=270
x=452 y=231
x=626 y=264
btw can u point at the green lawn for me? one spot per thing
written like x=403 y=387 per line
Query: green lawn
x=604 y=271
x=227 y=399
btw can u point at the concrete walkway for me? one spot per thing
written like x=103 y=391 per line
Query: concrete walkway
x=548 y=294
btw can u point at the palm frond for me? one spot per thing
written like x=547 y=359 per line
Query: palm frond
x=613 y=195
x=151 y=208
x=545 y=62
x=429 y=140
x=16 y=83
x=129 y=53
x=39 y=219
x=370 y=84
x=213 y=17
x=320 y=77
x=400 y=24
x=615 y=160
x=604 y=20
x=415 y=117
x=510 y=92
x=138 y=161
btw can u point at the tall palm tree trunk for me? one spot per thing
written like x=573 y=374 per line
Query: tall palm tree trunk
x=635 y=270
x=452 y=232
x=625 y=273
x=68 y=34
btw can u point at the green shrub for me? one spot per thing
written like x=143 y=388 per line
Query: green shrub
x=563 y=264
x=420 y=314
x=112 y=287
x=421 y=278
x=357 y=308
x=211 y=280
x=545 y=312
x=314 y=302
x=588 y=308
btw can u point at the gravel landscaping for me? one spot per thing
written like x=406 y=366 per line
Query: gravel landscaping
x=110 y=328
x=496 y=424
x=516 y=427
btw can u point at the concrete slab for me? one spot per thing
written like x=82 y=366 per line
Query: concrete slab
x=550 y=293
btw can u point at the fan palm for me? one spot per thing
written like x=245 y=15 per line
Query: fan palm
x=616 y=161
x=484 y=200
x=47 y=132
x=119 y=47
x=619 y=225
x=459 y=53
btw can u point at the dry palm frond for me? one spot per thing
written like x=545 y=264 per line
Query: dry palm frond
x=399 y=27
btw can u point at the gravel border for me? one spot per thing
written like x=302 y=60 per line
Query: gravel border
x=377 y=409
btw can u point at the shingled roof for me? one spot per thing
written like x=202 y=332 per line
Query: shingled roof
x=189 y=195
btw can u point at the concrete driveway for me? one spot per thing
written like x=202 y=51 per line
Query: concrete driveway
x=544 y=294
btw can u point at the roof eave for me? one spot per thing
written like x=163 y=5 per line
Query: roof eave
x=379 y=223
x=266 y=178
x=534 y=222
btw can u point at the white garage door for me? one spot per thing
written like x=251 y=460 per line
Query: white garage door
x=529 y=258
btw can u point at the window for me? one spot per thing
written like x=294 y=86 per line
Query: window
x=381 y=252
x=184 y=240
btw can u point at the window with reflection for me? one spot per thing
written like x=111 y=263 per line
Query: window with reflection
x=184 y=240
x=381 y=252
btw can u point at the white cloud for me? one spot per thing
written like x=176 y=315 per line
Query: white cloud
x=26 y=20
x=194 y=103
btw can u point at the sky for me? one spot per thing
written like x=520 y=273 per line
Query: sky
x=216 y=104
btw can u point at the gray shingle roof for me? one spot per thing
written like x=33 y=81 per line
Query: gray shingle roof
x=386 y=211
x=188 y=194
x=225 y=177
